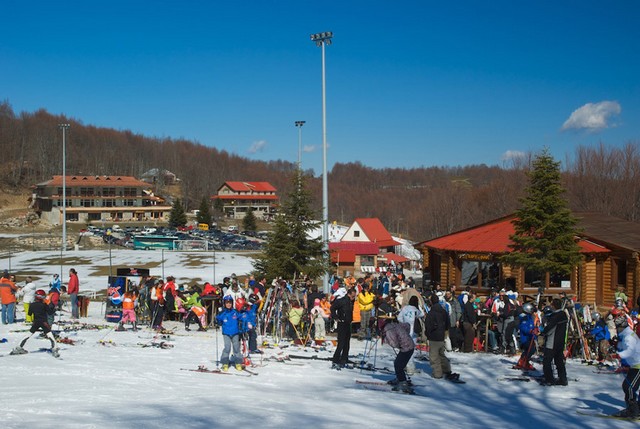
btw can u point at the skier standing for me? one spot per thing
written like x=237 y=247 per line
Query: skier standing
x=629 y=353
x=436 y=324
x=555 y=334
x=342 y=312
x=230 y=320
x=39 y=310
x=528 y=333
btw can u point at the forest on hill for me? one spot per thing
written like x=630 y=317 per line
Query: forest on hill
x=417 y=203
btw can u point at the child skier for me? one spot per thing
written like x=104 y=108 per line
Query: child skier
x=197 y=314
x=601 y=336
x=528 y=333
x=39 y=310
x=128 y=311
x=230 y=320
x=317 y=315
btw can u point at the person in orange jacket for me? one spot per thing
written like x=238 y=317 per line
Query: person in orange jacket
x=196 y=314
x=128 y=311
x=8 y=298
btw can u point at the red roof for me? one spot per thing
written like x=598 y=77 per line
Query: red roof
x=250 y=186
x=358 y=247
x=343 y=256
x=376 y=232
x=398 y=259
x=491 y=237
x=245 y=197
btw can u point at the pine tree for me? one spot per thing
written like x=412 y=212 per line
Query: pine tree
x=204 y=212
x=250 y=222
x=545 y=229
x=289 y=251
x=177 y=217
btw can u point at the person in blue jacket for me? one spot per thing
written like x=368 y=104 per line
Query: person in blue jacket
x=249 y=311
x=231 y=322
x=601 y=336
x=528 y=333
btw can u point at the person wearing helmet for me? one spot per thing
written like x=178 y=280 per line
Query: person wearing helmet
x=39 y=309
x=601 y=336
x=629 y=354
x=555 y=334
x=230 y=319
x=251 y=319
x=528 y=335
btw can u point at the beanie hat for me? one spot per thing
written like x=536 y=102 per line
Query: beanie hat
x=316 y=301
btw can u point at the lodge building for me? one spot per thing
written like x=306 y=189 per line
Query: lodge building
x=98 y=198
x=237 y=198
x=610 y=247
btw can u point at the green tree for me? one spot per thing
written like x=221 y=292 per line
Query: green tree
x=289 y=250
x=177 y=217
x=204 y=212
x=250 y=222
x=545 y=229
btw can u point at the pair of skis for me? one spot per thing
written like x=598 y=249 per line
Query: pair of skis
x=245 y=372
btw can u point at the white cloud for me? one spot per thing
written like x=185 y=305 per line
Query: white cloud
x=512 y=154
x=257 y=146
x=309 y=148
x=593 y=116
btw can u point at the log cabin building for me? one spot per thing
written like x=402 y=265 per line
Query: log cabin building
x=610 y=247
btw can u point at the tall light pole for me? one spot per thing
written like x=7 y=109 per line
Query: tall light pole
x=322 y=39
x=64 y=185
x=299 y=125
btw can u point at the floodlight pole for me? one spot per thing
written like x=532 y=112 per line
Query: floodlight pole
x=322 y=39
x=64 y=128
x=299 y=125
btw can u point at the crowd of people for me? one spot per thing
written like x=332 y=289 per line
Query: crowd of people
x=386 y=306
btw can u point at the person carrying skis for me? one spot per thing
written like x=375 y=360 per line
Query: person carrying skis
x=39 y=309
x=528 y=333
x=398 y=336
x=230 y=321
x=629 y=354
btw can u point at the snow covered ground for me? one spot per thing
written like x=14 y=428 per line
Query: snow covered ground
x=123 y=384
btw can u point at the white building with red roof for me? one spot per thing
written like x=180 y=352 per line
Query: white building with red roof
x=98 y=198
x=238 y=198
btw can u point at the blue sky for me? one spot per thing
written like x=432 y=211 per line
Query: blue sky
x=409 y=83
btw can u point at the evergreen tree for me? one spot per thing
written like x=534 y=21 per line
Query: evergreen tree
x=250 y=222
x=204 y=212
x=177 y=217
x=289 y=251
x=545 y=229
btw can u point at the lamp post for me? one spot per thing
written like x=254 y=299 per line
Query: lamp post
x=299 y=125
x=64 y=128
x=322 y=39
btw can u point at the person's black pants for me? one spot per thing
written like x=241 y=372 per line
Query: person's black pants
x=341 y=355
x=402 y=359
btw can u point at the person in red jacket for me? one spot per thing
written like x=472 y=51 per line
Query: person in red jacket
x=8 y=296
x=73 y=287
x=170 y=294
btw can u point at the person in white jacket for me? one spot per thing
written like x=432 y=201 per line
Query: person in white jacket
x=408 y=314
x=28 y=294
x=629 y=353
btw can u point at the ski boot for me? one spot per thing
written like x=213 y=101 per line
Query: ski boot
x=452 y=376
x=631 y=412
x=119 y=328
x=202 y=329
x=403 y=387
x=19 y=351
x=55 y=352
x=239 y=367
x=337 y=366
x=393 y=382
x=225 y=367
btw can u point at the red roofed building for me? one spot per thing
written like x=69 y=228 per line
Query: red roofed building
x=238 y=197
x=98 y=198
x=365 y=247
x=470 y=257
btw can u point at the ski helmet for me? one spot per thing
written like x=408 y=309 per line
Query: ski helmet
x=528 y=308
x=619 y=303
x=596 y=316
x=40 y=294
x=547 y=310
x=226 y=299
x=253 y=298
x=240 y=303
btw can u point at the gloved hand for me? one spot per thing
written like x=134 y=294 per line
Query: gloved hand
x=250 y=325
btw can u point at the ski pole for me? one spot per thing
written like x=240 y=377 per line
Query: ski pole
x=217 y=360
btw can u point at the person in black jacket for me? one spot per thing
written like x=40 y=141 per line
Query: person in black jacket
x=469 y=321
x=39 y=309
x=555 y=333
x=436 y=324
x=342 y=312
